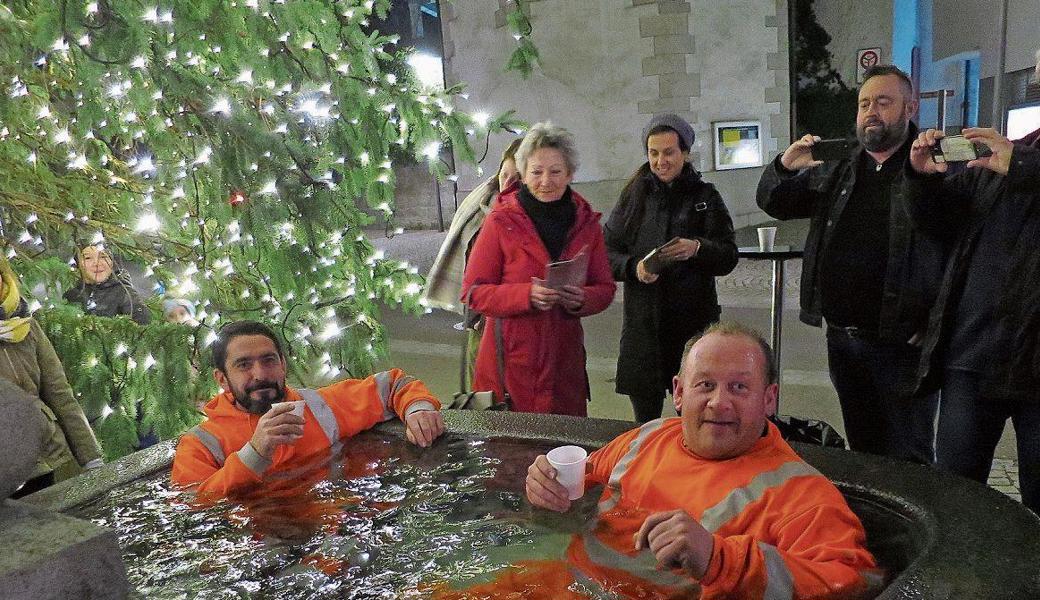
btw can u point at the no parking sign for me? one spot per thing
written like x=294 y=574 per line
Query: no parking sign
x=866 y=58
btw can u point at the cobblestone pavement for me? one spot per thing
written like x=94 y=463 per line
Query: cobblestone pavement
x=748 y=286
x=1004 y=477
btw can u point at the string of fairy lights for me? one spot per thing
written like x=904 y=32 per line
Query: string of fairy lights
x=172 y=181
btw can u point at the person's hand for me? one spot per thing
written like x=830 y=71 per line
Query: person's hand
x=572 y=297
x=542 y=298
x=276 y=427
x=921 y=153
x=682 y=249
x=676 y=540
x=542 y=488
x=643 y=275
x=798 y=155
x=422 y=427
x=1000 y=159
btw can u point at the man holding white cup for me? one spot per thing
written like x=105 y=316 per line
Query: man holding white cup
x=250 y=432
x=712 y=502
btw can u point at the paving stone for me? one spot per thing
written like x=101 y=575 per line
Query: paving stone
x=652 y=25
x=670 y=7
x=674 y=44
x=665 y=63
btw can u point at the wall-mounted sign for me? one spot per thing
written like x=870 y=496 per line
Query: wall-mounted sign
x=738 y=144
x=866 y=58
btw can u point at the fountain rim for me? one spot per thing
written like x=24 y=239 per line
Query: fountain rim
x=962 y=523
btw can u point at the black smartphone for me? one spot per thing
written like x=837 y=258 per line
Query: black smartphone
x=831 y=149
x=957 y=148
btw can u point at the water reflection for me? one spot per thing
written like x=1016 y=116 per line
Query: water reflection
x=384 y=520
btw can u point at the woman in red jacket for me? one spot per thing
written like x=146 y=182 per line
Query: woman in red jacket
x=539 y=222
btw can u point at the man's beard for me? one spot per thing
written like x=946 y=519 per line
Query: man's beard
x=261 y=405
x=884 y=138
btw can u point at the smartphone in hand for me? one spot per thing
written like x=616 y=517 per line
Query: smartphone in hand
x=827 y=150
x=957 y=148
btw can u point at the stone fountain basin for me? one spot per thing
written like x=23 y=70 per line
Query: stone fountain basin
x=939 y=536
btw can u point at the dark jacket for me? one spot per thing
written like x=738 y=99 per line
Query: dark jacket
x=915 y=257
x=691 y=208
x=113 y=296
x=544 y=350
x=960 y=204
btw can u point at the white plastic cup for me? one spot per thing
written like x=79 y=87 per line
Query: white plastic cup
x=297 y=407
x=569 y=462
x=766 y=237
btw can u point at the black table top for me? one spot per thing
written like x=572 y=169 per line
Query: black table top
x=777 y=253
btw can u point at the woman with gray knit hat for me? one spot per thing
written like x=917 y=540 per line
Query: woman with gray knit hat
x=669 y=297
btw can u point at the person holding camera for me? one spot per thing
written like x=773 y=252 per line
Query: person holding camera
x=983 y=342
x=866 y=271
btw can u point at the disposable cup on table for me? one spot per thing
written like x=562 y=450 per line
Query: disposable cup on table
x=766 y=238
x=569 y=462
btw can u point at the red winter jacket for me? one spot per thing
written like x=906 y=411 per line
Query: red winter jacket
x=544 y=350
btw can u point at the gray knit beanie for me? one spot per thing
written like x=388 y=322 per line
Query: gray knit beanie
x=675 y=122
x=171 y=303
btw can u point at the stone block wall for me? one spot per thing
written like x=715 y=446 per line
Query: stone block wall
x=608 y=65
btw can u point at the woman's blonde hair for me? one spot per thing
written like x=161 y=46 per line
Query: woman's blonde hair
x=509 y=154
x=547 y=135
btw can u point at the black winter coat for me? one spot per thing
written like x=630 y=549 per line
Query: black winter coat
x=113 y=296
x=915 y=257
x=960 y=205
x=683 y=299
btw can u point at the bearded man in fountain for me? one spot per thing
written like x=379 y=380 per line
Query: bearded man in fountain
x=258 y=428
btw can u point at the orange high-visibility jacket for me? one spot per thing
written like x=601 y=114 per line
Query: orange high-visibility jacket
x=781 y=529
x=217 y=454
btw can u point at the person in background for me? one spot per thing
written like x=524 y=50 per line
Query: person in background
x=29 y=361
x=866 y=271
x=179 y=310
x=664 y=199
x=444 y=281
x=246 y=441
x=983 y=343
x=538 y=222
x=104 y=291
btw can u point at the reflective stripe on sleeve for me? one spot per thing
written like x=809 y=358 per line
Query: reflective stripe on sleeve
x=614 y=483
x=779 y=581
x=419 y=405
x=211 y=443
x=253 y=459
x=400 y=383
x=738 y=499
x=642 y=565
x=323 y=413
x=383 y=382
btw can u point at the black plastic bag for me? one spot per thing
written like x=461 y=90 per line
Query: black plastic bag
x=808 y=431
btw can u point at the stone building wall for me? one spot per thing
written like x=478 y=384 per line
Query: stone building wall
x=608 y=65
x=854 y=26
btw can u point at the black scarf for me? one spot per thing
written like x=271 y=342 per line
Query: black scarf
x=552 y=220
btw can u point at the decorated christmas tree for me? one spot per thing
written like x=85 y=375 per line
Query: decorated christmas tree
x=231 y=151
